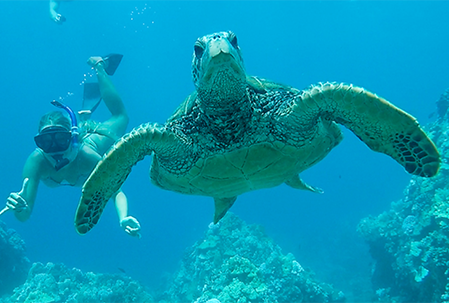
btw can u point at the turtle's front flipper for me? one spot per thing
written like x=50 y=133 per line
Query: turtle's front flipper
x=382 y=126
x=110 y=173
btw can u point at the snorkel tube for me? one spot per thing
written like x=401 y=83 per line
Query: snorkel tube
x=74 y=129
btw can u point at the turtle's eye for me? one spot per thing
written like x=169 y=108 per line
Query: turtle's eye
x=233 y=40
x=199 y=50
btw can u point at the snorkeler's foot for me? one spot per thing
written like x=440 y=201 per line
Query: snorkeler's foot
x=109 y=62
x=93 y=61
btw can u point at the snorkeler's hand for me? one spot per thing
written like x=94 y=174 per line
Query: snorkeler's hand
x=15 y=201
x=131 y=226
x=58 y=18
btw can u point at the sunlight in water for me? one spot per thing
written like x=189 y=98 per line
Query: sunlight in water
x=140 y=17
x=88 y=77
x=67 y=97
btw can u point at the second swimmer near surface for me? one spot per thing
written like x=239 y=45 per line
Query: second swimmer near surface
x=67 y=151
x=54 y=11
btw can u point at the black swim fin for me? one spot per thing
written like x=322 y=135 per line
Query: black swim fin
x=91 y=96
x=112 y=61
x=91 y=100
x=91 y=90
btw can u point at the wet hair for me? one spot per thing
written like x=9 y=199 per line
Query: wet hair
x=55 y=118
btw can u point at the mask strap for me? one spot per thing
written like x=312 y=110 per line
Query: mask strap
x=74 y=130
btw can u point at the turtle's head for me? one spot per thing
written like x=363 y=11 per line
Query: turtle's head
x=217 y=60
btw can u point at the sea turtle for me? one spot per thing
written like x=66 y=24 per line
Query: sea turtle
x=237 y=133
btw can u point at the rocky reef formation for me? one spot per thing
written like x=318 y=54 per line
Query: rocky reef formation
x=410 y=242
x=14 y=264
x=57 y=283
x=235 y=262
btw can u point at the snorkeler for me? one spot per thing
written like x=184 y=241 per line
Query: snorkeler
x=66 y=152
x=54 y=14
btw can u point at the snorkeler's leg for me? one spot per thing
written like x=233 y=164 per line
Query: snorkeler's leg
x=119 y=120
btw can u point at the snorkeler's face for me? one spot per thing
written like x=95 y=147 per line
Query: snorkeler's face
x=53 y=139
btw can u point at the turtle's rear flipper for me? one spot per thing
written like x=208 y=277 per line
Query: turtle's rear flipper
x=382 y=126
x=298 y=183
x=222 y=205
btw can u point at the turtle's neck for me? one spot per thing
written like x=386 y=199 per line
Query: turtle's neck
x=225 y=96
x=226 y=109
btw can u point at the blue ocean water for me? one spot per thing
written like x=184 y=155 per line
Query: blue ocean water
x=397 y=49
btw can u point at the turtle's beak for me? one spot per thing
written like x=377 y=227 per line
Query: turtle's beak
x=222 y=56
x=219 y=46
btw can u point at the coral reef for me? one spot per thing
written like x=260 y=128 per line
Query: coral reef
x=410 y=242
x=236 y=262
x=57 y=283
x=14 y=265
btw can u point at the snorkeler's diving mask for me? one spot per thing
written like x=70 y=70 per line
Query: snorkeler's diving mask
x=56 y=139
x=53 y=139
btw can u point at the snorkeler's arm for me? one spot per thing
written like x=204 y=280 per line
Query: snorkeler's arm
x=54 y=5
x=23 y=202
x=54 y=15
x=121 y=204
x=129 y=224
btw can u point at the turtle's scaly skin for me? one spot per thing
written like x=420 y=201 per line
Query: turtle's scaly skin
x=238 y=133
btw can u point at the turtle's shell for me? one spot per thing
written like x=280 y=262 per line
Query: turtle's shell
x=268 y=153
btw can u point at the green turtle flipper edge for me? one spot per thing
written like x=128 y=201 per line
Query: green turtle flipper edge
x=111 y=172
